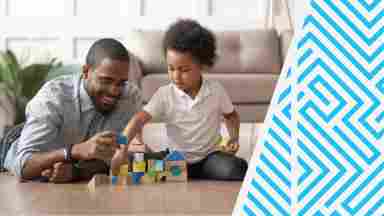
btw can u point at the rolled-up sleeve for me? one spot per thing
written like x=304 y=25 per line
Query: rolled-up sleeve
x=39 y=134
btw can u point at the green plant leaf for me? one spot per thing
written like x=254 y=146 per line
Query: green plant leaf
x=7 y=75
x=21 y=84
x=32 y=78
x=13 y=63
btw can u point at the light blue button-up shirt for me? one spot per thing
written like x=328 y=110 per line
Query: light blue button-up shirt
x=60 y=114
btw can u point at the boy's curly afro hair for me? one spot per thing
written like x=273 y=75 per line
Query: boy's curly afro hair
x=188 y=36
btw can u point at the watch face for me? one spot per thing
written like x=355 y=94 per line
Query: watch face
x=67 y=153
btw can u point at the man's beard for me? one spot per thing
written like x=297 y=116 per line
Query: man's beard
x=100 y=108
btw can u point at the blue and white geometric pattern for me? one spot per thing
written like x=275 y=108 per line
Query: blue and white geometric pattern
x=324 y=153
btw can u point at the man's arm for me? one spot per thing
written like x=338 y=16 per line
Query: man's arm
x=82 y=170
x=38 y=162
x=101 y=146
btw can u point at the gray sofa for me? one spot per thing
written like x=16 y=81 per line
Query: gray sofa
x=248 y=66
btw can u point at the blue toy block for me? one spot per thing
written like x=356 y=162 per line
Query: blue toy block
x=175 y=156
x=159 y=165
x=122 y=140
x=114 y=179
x=136 y=176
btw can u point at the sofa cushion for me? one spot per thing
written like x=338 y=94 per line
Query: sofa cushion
x=252 y=112
x=147 y=47
x=253 y=51
x=242 y=88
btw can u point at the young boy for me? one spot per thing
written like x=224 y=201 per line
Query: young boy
x=192 y=107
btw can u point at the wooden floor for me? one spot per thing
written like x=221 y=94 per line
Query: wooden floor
x=211 y=198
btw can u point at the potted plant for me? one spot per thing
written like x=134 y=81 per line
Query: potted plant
x=20 y=83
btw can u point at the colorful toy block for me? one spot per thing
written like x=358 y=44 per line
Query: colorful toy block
x=155 y=165
x=136 y=177
x=176 y=167
x=124 y=170
x=138 y=164
x=146 y=169
x=148 y=178
x=161 y=176
x=121 y=139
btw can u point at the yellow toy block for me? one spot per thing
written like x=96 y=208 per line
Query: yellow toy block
x=124 y=170
x=139 y=166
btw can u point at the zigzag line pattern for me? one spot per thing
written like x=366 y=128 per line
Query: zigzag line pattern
x=338 y=112
x=322 y=151
x=270 y=189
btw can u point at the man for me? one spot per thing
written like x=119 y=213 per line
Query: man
x=72 y=122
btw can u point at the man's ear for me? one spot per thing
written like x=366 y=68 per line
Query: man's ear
x=87 y=69
x=204 y=68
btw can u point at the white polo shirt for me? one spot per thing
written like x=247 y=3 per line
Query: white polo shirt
x=192 y=125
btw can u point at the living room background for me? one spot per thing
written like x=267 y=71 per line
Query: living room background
x=41 y=29
x=65 y=29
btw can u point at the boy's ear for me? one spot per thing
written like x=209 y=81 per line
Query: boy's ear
x=87 y=69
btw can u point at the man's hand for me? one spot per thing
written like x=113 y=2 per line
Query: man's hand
x=101 y=146
x=60 y=173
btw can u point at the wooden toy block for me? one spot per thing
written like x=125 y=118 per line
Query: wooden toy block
x=122 y=140
x=136 y=177
x=176 y=167
x=161 y=176
x=138 y=166
x=148 y=179
x=124 y=170
x=97 y=180
x=177 y=171
x=122 y=180
x=127 y=180
x=155 y=165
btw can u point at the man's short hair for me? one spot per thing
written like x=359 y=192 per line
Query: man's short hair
x=106 y=48
x=188 y=36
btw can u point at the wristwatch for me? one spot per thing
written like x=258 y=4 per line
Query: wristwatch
x=68 y=153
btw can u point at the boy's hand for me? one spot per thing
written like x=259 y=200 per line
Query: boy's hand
x=228 y=145
x=232 y=146
x=136 y=147
x=60 y=173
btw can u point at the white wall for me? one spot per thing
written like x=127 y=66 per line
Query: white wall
x=39 y=29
